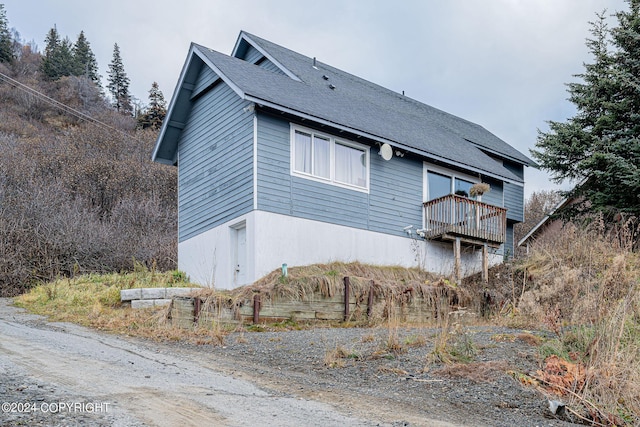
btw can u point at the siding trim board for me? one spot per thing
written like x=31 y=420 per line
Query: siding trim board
x=255 y=160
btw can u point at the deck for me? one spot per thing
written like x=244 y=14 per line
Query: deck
x=459 y=218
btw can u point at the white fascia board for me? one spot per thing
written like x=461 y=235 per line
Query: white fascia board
x=379 y=139
x=172 y=103
x=245 y=36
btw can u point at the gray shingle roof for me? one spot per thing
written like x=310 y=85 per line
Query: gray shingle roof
x=365 y=107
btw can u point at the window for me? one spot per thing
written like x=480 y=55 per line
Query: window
x=462 y=187
x=312 y=154
x=441 y=184
x=325 y=158
x=351 y=165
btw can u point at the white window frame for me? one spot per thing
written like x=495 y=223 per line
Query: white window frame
x=332 y=163
x=428 y=167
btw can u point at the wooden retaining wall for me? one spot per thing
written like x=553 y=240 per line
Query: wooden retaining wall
x=407 y=306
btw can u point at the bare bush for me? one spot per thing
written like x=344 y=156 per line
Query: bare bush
x=584 y=288
x=78 y=197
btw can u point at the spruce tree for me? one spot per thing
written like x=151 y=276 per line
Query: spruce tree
x=153 y=117
x=48 y=65
x=6 y=44
x=84 y=60
x=58 y=57
x=599 y=146
x=64 y=59
x=118 y=84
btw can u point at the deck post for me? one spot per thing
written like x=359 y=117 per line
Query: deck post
x=485 y=264
x=456 y=253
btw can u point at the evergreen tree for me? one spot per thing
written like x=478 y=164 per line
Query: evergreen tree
x=153 y=117
x=600 y=145
x=6 y=44
x=118 y=84
x=64 y=59
x=48 y=66
x=58 y=57
x=84 y=60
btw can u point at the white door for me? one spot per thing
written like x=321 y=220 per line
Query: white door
x=240 y=255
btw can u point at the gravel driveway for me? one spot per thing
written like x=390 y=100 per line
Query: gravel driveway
x=57 y=374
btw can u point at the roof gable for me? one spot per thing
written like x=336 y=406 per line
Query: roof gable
x=313 y=90
x=243 y=47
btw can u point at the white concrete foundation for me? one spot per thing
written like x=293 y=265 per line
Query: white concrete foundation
x=211 y=258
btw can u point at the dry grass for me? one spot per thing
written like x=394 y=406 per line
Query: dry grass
x=583 y=285
x=530 y=339
x=395 y=289
x=337 y=356
x=475 y=371
x=393 y=284
x=368 y=338
x=94 y=300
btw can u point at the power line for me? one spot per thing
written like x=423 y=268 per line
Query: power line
x=57 y=104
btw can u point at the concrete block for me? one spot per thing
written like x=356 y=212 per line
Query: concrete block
x=130 y=294
x=178 y=292
x=161 y=302
x=153 y=293
x=141 y=303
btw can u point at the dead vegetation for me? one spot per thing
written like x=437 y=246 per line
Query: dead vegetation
x=77 y=197
x=94 y=300
x=583 y=285
x=474 y=371
x=397 y=293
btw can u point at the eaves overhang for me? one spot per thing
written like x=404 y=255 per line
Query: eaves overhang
x=381 y=140
x=166 y=147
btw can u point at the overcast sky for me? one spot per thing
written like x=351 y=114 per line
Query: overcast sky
x=500 y=63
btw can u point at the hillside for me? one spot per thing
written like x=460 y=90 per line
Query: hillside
x=78 y=191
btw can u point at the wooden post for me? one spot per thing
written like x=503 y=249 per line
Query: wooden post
x=196 y=310
x=457 y=269
x=485 y=264
x=256 y=309
x=370 y=300
x=347 y=291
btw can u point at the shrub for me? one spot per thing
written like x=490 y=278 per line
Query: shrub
x=584 y=287
x=78 y=197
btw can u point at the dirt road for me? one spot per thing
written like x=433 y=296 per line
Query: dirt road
x=64 y=374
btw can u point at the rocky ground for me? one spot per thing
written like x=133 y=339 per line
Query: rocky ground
x=394 y=368
x=381 y=376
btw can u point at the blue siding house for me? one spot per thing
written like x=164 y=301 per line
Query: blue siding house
x=283 y=159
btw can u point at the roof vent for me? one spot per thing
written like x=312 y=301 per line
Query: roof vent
x=314 y=63
x=324 y=76
x=331 y=86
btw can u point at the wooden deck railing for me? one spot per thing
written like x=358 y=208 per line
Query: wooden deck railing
x=457 y=216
